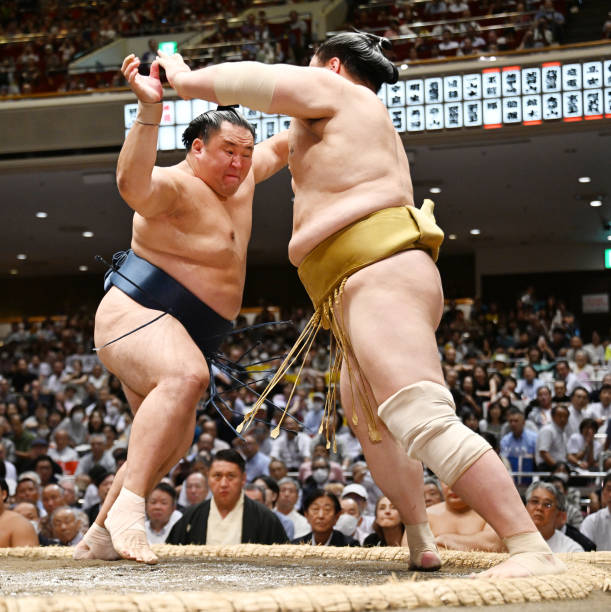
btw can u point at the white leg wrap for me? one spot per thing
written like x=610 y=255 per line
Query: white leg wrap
x=423 y=418
x=249 y=83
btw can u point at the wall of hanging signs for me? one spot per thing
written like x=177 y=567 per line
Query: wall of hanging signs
x=486 y=99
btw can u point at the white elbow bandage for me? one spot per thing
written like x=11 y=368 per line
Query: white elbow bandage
x=248 y=83
x=423 y=418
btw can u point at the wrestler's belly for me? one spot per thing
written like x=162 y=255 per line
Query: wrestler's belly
x=317 y=216
x=218 y=281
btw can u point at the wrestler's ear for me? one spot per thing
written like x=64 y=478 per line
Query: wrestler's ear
x=197 y=145
x=334 y=64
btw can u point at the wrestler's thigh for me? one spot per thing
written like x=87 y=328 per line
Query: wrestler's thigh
x=391 y=311
x=157 y=352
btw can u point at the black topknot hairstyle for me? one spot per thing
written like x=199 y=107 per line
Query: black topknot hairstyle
x=362 y=55
x=210 y=122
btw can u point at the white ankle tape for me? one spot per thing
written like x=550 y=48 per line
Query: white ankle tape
x=128 y=512
x=420 y=538
x=96 y=531
x=423 y=418
x=530 y=542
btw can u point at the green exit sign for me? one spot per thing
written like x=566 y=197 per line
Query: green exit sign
x=607 y=258
x=168 y=47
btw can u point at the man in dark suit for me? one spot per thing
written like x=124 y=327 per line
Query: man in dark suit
x=229 y=517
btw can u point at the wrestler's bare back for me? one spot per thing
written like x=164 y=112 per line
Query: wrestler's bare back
x=202 y=241
x=344 y=167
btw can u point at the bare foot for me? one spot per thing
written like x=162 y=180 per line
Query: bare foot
x=429 y=561
x=523 y=565
x=125 y=523
x=423 y=553
x=96 y=544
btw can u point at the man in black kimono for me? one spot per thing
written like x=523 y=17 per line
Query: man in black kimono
x=229 y=517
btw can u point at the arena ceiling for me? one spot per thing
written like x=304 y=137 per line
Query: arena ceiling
x=517 y=186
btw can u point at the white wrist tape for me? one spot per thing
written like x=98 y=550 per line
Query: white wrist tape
x=149 y=114
x=423 y=418
x=248 y=83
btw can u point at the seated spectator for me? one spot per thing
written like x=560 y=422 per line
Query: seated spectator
x=485 y=387
x=597 y=526
x=15 y=530
x=257 y=463
x=551 y=442
x=271 y=491
x=467 y=48
x=161 y=513
x=277 y=469
x=435 y=9
x=547 y=507
x=519 y=446
x=98 y=377
x=286 y=504
x=540 y=411
x=103 y=481
x=457 y=526
x=30 y=512
x=209 y=426
x=432 y=491
x=68 y=485
x=322 y=509
x=75 y=425
x=63 y=454
x=52 y=499
x=292 y=446
x=387 y=527
x=46 y=469
x=320 y=468
x=583 y=371
x=194 y=490
x=583 y=451
x=66 y=526
x=554 y=18
x=560 y=395
x=362 y=476
x=447 y=44
x=574 y=517
x=228 y=517
x=563 y=373
x=316 y=411
x=528 y=384
x=578 y=410
x=494 y=421
x=469 y=402
x=601 y=411
x=456 y=7
x=595 y=349
x=22 y=442
x=98 y=456
x=28 y=490
x=358 y=494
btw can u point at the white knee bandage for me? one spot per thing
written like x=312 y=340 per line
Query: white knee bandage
x=422 y=417
x=248 y=83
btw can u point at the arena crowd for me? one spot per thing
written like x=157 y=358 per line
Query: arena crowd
x=39 y=39
x=524 y=378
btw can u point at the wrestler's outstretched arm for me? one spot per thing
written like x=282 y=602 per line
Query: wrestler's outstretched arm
x=270 y=156
x=148 y=189
x=304 y=92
